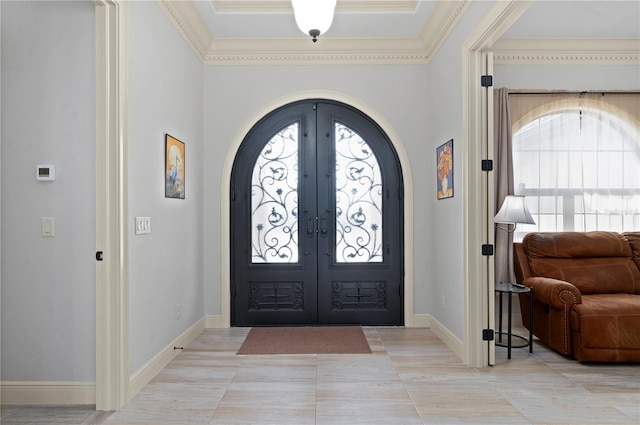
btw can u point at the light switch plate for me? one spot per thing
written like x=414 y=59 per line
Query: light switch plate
x=48 y=230
x=143 y=225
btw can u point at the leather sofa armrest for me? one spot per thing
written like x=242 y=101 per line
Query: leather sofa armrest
x=521 y=265
x=556 y=293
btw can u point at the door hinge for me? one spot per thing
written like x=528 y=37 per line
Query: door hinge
x=487 y=165
x=486 y=81
x=487 y=249
x=99 y=256
x=487 y=334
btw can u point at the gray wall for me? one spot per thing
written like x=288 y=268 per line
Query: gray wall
x=166 y=265
x=444 y=245
x=423 y=105
x=568 y=77
x=233 y=95
x=48 y=114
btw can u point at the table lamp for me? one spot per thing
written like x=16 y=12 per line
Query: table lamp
x=513 y=211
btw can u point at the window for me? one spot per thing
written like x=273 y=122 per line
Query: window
x=358 y=199
x=580 y=171
x=274 y=200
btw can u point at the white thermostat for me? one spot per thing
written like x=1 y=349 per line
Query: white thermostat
x=46 y=173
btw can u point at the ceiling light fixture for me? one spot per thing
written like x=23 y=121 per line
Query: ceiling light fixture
x=313 y=17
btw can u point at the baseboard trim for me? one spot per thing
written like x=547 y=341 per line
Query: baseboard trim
x=421 y=321
x=214 y=322
x=147 y=372
x=48 y=392
x=453 y=342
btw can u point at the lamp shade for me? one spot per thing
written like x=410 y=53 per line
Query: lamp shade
x=313 y=17
x=514 y=210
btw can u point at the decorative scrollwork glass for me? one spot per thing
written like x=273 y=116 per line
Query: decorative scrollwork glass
x=274 y=200
x=358 y=199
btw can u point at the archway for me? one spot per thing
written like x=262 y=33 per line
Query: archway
x=403 y=158
x=316 y=213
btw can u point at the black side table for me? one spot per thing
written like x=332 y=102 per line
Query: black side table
x=510 y=289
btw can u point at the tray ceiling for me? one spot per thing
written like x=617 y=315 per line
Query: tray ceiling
x=402 y=31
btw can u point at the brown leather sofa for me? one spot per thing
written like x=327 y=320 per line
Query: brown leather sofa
x=586 y=289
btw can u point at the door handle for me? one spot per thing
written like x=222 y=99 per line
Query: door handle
x=323 y=224
x=310 y=226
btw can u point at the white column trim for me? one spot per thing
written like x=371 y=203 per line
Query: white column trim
x=112 y=274
x=477 y=267
x=225 y=278
x=490 y=198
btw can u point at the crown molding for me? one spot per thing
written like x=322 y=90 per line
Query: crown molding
x=342 y=5
x=187 y=20
x=514 y=51
x=419 y=50
x=494 y=24
x=443 y=19
x=326 y=51
x=243 y=51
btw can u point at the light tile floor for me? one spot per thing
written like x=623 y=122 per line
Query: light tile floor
x=410 y=378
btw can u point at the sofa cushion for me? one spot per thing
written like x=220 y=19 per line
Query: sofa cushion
x=595 y=262
x=608 y=320
x=576 y=245
x=634 y=242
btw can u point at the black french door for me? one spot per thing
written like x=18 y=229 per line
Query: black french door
x=316 y=220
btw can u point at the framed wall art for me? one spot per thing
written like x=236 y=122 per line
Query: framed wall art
x=174 y=170
x=444 y=158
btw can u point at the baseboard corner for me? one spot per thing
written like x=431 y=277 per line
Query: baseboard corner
x=146 y=373
x=214 y=322
x=449 y=338
x=420 y=321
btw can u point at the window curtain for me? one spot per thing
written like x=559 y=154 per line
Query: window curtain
x=503 y=181
x=582 y=168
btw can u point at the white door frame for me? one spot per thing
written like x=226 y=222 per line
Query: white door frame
x=477 y=211
x=112 y=279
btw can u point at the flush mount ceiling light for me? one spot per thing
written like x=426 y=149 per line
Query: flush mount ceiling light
x=313 y=17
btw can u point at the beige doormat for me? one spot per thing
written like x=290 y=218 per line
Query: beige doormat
x=306 y=340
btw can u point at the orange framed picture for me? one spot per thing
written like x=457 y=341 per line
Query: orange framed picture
x=444 y=157
x=174 y=170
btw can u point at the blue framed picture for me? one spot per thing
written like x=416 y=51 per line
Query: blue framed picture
x=174 y=170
